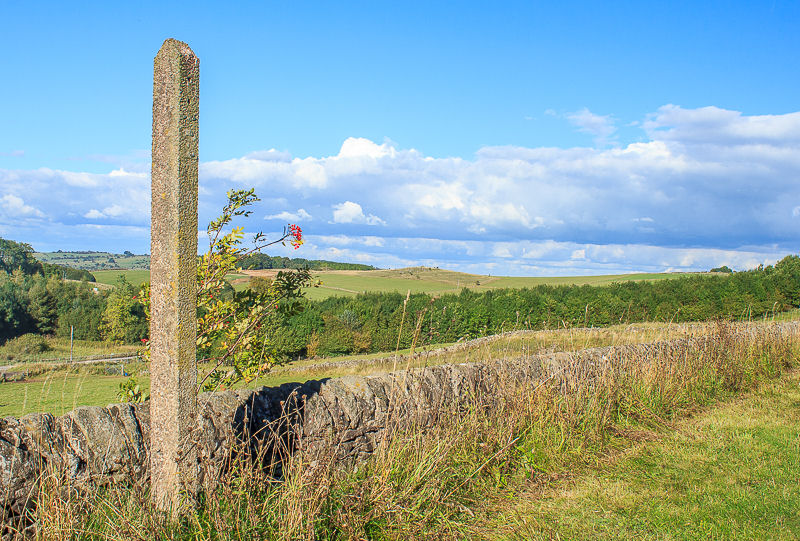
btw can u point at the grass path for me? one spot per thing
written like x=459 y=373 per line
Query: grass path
x=732 y=472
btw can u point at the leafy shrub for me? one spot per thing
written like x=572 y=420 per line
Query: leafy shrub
x=27 y=344
x=130 y=391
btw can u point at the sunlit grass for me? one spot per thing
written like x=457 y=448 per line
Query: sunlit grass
x=60 y=350
x=730 y=473
x=134 y=277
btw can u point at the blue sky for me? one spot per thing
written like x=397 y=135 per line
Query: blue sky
x=515 y=138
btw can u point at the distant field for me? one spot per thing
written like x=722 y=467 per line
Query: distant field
x=415 y=279
x=93 y=261
x=519 y=282
x=438 y=281
x=135 y=277
x=138 y=277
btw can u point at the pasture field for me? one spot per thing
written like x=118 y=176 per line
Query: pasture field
x=415 y=279
x=59 y=349
x=93 y=261
x=440 y=281
x=728 y=473
x=137 y=277
x=134 y=276
x=61 y=390
x=57 y=388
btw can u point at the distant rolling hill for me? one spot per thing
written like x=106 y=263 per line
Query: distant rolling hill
x=438 y=281
x=107 y=267
x=93 y=261
x=99 y=261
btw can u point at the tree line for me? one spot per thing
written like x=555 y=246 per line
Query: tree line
x=18 y=255
x=258 y=261
x=374 y=322
x=47 y=299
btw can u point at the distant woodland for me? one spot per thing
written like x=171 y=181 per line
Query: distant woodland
x=92 y=261
x=260 y=261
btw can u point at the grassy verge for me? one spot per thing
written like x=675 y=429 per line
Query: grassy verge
x=434 y=484
x=60 y=391
x=730 y=473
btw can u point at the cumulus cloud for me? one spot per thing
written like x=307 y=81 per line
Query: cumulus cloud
x=286 y=216
x=270 y=155
x=352 y=213
x=716 y=126
x=533 y=258
x=358 y=147
x=68 y=196
x=695 y=181
x=600 y=127
x=15 y=206
x=112 y=211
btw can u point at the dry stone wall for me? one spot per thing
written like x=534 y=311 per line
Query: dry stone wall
x=344 y=418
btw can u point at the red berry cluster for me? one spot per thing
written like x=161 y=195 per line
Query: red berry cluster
x=297 y=235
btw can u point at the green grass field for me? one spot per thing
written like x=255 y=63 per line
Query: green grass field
x=414 y=279
x=60 y=391
x=136 y=277
x=60 y=349
x=92 y=261
x=730 y=473
x=438 y=281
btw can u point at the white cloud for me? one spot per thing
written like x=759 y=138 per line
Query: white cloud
x=698 y=180
x=123 y=173
x=270 y=155
x=358 y=147
x=352 y=213
x=115 y=210
x=79 y=179
x=501 y=250
x=601 y=127
x=310 y=173
x=286 y=216
x=15 y=206
x=713 y=125
x=534 y=258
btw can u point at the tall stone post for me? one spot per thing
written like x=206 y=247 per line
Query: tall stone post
x=173 y=276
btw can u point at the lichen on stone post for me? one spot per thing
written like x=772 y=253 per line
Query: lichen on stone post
x=173 y=276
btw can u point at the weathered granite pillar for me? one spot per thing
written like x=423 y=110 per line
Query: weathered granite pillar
x=173 y=280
